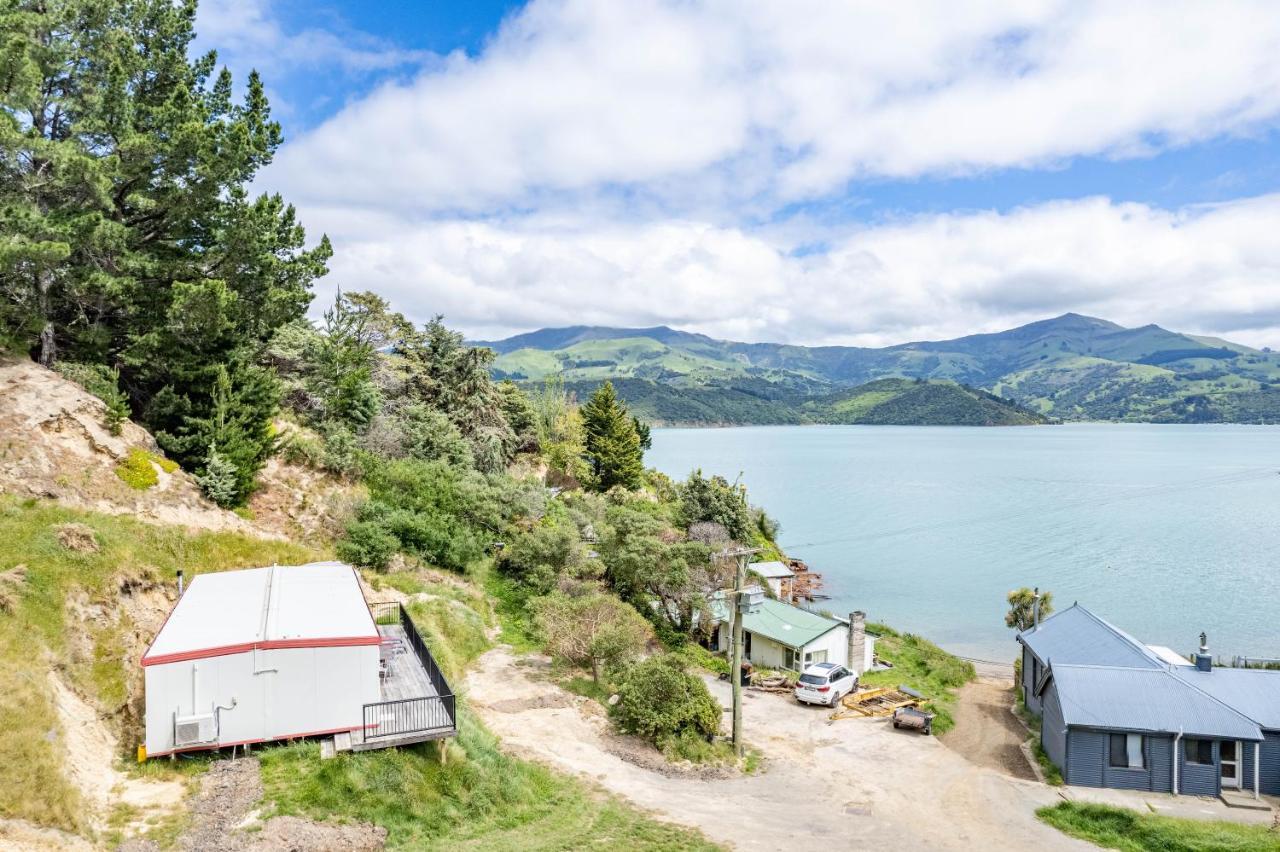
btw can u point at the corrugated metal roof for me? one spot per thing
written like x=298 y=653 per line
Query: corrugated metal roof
x=282 y=604
x=1076 y=636
x=781 y=622
x=771 y=569
x=1141 y=699
x=1254 y=692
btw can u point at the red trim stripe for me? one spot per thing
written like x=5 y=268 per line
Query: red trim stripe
x=268 y=645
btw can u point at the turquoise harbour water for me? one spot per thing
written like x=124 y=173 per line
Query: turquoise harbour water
x=1164 y=530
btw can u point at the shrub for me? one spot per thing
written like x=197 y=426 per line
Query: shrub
x=544 y=554
x=136 y=470
x=661 y=701
x=368 y=544
x=596 y=629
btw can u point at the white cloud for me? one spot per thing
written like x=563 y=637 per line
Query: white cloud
x=249 y=35
x=1207 y=269
x=612 y=163
x=679 y=101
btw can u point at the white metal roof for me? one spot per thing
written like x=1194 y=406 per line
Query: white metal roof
x=279 y=607
x=1170 y=656
x=771 y=570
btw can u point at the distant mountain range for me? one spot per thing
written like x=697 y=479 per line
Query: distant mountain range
x=1071 y=367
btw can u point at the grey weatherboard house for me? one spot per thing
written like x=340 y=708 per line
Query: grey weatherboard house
x=1117 y=713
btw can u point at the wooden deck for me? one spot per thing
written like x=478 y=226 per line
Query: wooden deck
x=405 y=682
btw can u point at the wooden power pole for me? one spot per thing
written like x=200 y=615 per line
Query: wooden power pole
x=737 y=611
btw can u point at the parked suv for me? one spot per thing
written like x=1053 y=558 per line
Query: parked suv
x=825 y=683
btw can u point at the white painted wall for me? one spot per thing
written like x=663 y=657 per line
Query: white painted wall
x=767 y=653
x=284 y=692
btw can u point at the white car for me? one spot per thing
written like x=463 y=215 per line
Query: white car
x=825 y=683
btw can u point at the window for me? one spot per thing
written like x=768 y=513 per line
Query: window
x=790 y=659
x=1126 y=751
x=815 y=657
x=1198 y=751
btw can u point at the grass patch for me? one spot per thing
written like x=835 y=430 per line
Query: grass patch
x=479 y=799
x=34 y=620
x=923 y=666
x=585 y=686
x=510 y=602
x=1118 y=828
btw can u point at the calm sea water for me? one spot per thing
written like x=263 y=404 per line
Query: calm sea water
x=1164 y=530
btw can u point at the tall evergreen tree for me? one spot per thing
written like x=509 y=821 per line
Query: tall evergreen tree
x=127 y=236
x=613 y=450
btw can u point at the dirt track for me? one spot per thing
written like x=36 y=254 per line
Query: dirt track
x=852 y=784
x=986 y=731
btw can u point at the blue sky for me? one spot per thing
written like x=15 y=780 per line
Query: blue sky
x=819 y=173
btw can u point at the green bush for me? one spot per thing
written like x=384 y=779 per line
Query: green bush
x=544 y=554
x=661 y=700
x=368 y=544
x=439 y=514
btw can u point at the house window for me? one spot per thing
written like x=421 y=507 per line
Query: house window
x=1035 y=672
x=790 y=659
x=815 y=657
x=1126 y=751
x=1198 y=751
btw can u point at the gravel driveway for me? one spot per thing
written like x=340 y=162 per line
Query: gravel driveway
x=852 y=784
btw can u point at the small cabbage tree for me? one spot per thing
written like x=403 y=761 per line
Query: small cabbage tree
x=1021 y=614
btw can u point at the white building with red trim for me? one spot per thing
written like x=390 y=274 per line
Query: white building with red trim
x=262 y=654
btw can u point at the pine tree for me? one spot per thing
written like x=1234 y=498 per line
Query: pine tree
x=127 y=235
x=219 y=480
x=613 y=450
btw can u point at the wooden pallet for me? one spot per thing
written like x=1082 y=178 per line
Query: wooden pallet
x=878 y=702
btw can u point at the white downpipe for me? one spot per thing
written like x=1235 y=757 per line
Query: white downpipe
x=1257 y=761
x=1176 y=739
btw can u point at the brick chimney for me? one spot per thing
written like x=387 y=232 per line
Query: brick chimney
x=857 y=641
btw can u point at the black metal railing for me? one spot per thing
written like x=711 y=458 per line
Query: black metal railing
x=404 y=716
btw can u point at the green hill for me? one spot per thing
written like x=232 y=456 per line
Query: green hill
x=1070 y=367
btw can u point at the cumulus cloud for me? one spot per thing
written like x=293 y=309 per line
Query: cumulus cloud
x=789 y=101
x=641 y=163
x=1211 y=269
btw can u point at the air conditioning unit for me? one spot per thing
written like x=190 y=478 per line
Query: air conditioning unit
x=194 y=730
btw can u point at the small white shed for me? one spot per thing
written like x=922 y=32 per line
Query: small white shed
x=261 y=654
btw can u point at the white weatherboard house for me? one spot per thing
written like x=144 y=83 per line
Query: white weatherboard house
x=781 y=636
x=283 y=652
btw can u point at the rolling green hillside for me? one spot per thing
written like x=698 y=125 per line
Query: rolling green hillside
x=1071 y=367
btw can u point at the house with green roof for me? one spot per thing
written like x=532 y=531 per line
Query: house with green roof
x=781 y=636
